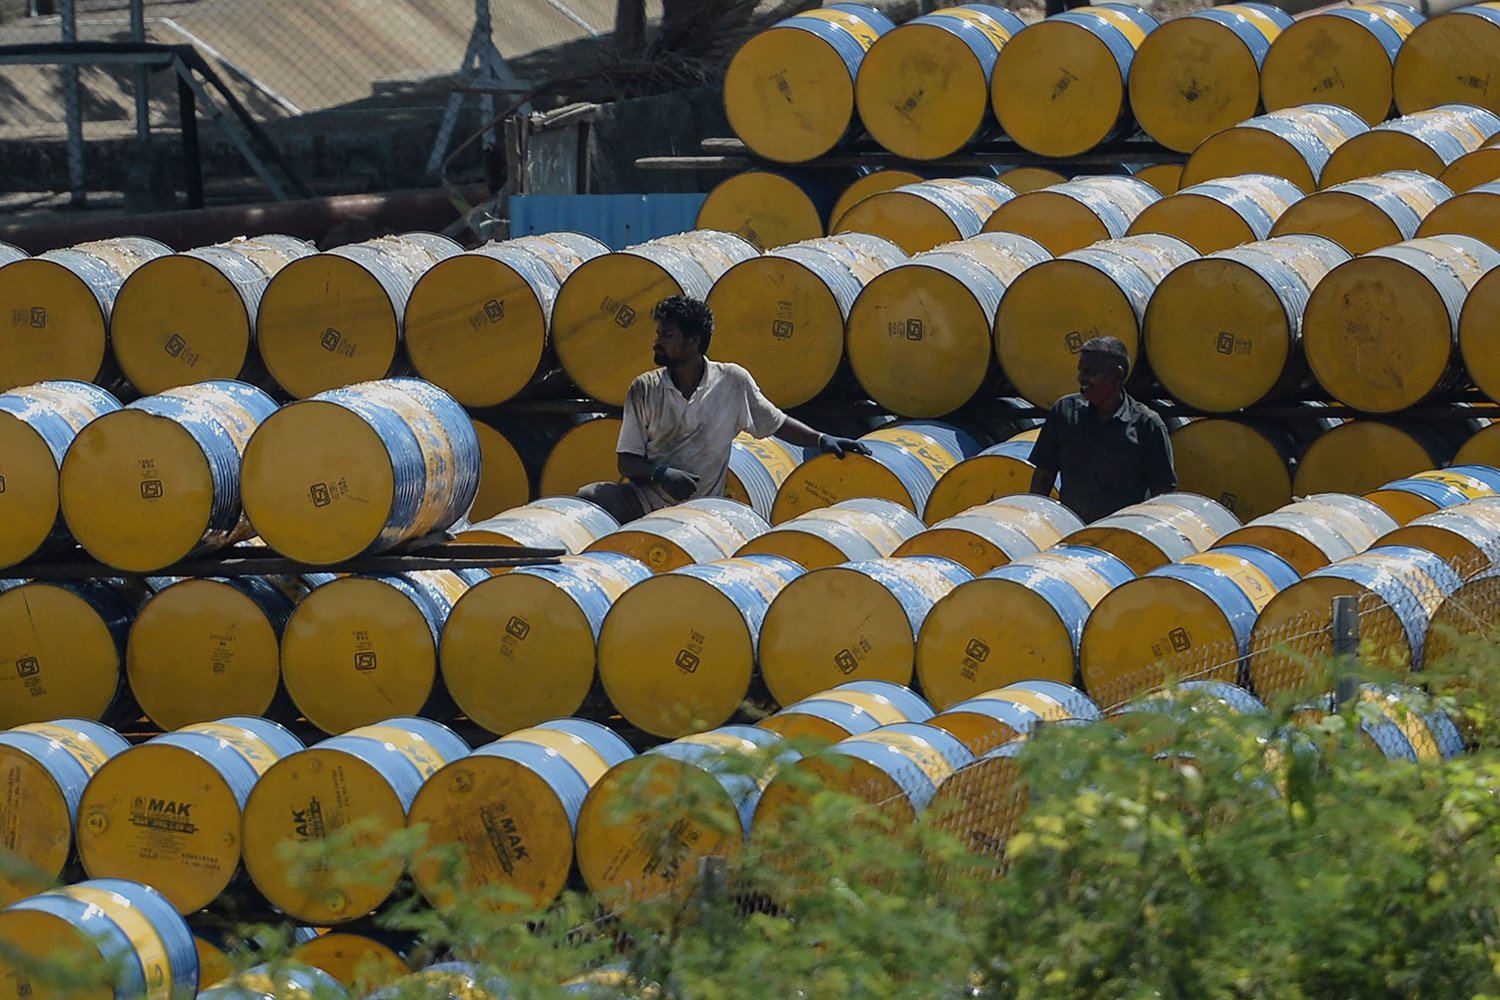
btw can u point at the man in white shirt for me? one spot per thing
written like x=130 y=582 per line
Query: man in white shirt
x=680 y=420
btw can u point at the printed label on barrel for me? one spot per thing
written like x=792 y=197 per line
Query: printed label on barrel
x=146 y=941
x=423 y=755
x=862 y=32
x=84 y=750
x=256 y=751
x=916 y=751
x=1127 y=26
x=993 y=29
x=1251 y=580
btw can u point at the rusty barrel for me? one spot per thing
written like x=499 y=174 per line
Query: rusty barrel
x=1294 y=143
x=1342 y=56
x=1315 y=531
x=1424 y=141
x=1076 y=213
x=918 y=217
x=849 y=531
x=1222 y=213
x=1450 y=59
x=1368 y=213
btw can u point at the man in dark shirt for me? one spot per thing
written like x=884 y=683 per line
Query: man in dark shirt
x=1111 y=450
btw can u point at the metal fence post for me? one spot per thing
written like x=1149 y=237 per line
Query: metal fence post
x=73 y=108
x=142 y=74
x=713 y=878
x=1344 y=629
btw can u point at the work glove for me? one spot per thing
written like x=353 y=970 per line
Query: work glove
x=677 y=484
x=839 y=447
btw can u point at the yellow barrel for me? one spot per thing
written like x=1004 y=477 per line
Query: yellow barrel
x=1200 y=73
x=357 y=648
x=116 y=939
x=45 y=768
x=1294 y=143
x=757 y=468
x=214 y=963
x=159 y=481
x=602 y=326
x=1466 y=620
x=59 y=304
x=789 y=90
x=1470 y=213
x=565 y=523
x=998 y=472
x=870 y=181
x=699 y=531
x=359 y=960
x=1482 y=166
x=1477 y=336
x=1245 y=465
x=1450 y=59
x=1313 y=532
x=1164 y=529
x=918 y=217
x=1059 y=87
x=1382 y=330
x=1101 y=290
x=520 y=647
x=360 y=469
x=768 y=209
x=993 y=534
x=62 y=650
x=279 y=980
x=1016 y=623
x=781 y=315
x=364 y=782
x=918 y=335
x=1481 y=448
x=851 y=708
x=510 y=809
x=1368 y=213
x=1398 y=588
x=167 y=812
x=678 y=652
x=1024 y=179
x=582 y=454
x=1360 y=455
x=1426 y=141
x=190 y=317
x=1225 y=331
x=1219 y=214
x=859 y=620
x=511 y=453
x=1467 y=535
x=906 y=462
x=981 y=804
x=924 y=89
x=1436 y=489
x=1433 y=735
x=334 y=319
x=849 y=531
x=476 y=323
x=987 y=720
x=450 y=979
x=38 y=424
x=1075 y=213
x=1341 y=56
x=1165 y=177
x=1190 y=619
x=646 y=823
x=201 y=649
x=896 y=769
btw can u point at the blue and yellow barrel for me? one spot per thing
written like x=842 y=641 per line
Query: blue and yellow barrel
x=924 y=89
x=1398 y=588
x=1188 y=619
x=1222 y=213
x=782 y=315
x=1381 y=331
x=582 y=454
x=123 y=937
x=1225 y=331
x=1044 y=519
x=475 y=323
x=871 y=180
x=851 y=708
x=769 y=208
x=38 y=424
x=1165 y=177
x=282 y=980
x=363 y=781
x=336 y=318
x=1059 y=87
x=1470 y=212
x=45 y=767
x=1425 y=141
x=918 y=335
x=858 y=620
x=1315 y=531
x=757 y=468
x=168 y=812
x=1428 y=492
x=510 y=809
x=202 y=648
x=789 y=90
x=1358 y=456
x=1294 y=143
x=678 y=653
x=698 y=531
x=511 y=453
x=190 y=317
x=1166 y=528
x=59 y=304
x=646 y=824
x=848 y=531
x=906 y=462
x=1076 y=213
x=1465 y=623
x=992 y=718
x=159 y=481
x=1466 y=534
x=1471 y=170
x=981 y=804
x=360 y=469
x=358 y=957
x=1050 y=310
x=1368 y=213
x=601 y=323
x=62 y=650
x=1432 y=733
x=1450 y=59
x=521 y=647
x=1246 y=465
x=565 y=523
x=359 y=647
x=1478 y=341
x=1200 y=73
x=918 y=217
x=992 y=535
x=1000 y=472
x=1342 y=56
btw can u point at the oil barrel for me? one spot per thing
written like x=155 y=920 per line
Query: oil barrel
x=1164 y=529
x=1076 y=213
x=1001 y=471
x=928 y=214
x=1450 y=59
x=1341 y=56
x=698 y=531
x=1469 y=171
x=1470 y=212
x=848 y=531
x=1368 y=213
x=511 y=453
x=1165 y=177
x=871 y=180
x=1294 y=143
x=1222 y=213
x=1467 y=535
x=1436 y=489
x=847 y=710
x=988 y=536
x=757 y=468
x=582 y=454
x=988 y=720
x=1246 y=465
x=1424 y=141
x=1477 y=340
x=769 y=208
x=1359 y=455
x=565 y=523
x=1315 y=531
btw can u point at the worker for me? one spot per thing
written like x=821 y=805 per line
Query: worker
x=681 y=418
x=1111 y=450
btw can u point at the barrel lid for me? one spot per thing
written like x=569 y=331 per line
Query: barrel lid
x=789 y=94
x=29 y=501
x=56 y=325
x=504 y=480
x=885 y=179
x=1134 y=540
x=1058 y=87
x=1481 y=449
x=1203 y=222
x=1379 y=151
x=1451 y=58
x=824 y=480
x=1247 y=149
x=348 y=957
x=1192 y=77
x=766 y=208
x=976 y=481
x=1472 y=213
x=1481 y=166
x=1232 y=462
x=177 y=320
x=1052 y=218
x=583 y=454
x=922 y=92
x=37 y=828
x=58 y=658
x=1354 y=223
x=1332 y=59
x=1165 y=177
x=1358 y=456
x=327 y=321
x=978 y=544
x=39 y=937
x=907 y=219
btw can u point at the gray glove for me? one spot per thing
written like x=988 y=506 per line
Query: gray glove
x=679 y=485
x=839 y=447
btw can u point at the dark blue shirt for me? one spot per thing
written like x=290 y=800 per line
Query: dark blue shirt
x=1105 y=465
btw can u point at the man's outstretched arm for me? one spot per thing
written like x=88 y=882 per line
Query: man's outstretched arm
x=798 y=433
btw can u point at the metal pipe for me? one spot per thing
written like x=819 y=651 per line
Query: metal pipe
x=73 y=110
x=142 y=74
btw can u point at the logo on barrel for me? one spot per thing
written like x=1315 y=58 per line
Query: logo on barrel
x=687 y=661
x=846 y=661
x=320 y=494
x=151 y=489
x=38 y=317
x=364 y=660
x=175 y=344
x=781 y=329
x=1179 y=639
x=27 y=666
x=624 y=316
x=1224 y=342
x=331 y=340
x=977 y=650
x=915 y=329
x=2 y=484
x=1074 y=341
x=518 y=627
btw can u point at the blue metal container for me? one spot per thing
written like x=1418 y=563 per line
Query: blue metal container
x=1078 y=704
x=420 y=748
x=912 y=706
x=277 y=981
x=743 y=790
x=916 y=756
